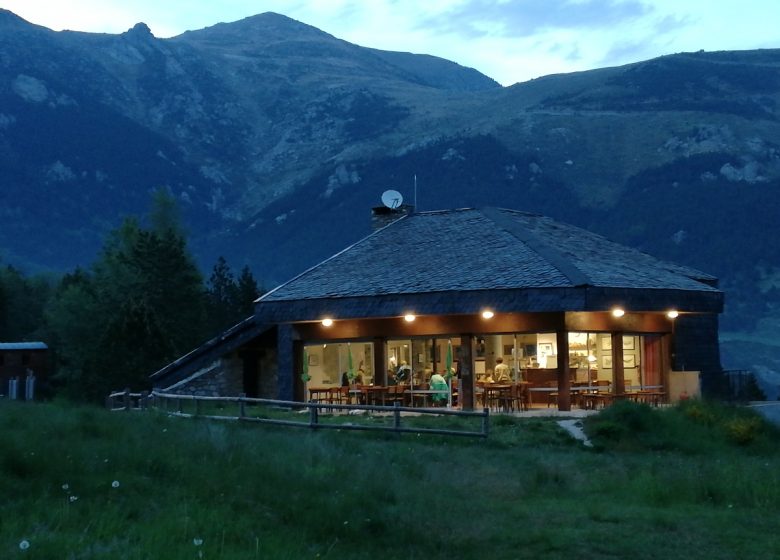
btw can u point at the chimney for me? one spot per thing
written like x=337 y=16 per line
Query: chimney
x=382 y=216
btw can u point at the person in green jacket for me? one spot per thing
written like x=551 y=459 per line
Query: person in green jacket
x=438 y=383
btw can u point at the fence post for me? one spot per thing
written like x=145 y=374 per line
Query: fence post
x=29 y=387
x=313 y=417
x=12 y=388
x=485 y=422
x=179 y=406
x=126 y=399
x=241 y=405
x=396 y=416
x=197 y=406
x=143 y=403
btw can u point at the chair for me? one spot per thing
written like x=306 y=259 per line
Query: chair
x=494 y=392
x=454 y=385
x=552 y=396
x=395 y=394
x=513 y=397
x=337 y=395
x=417 y=399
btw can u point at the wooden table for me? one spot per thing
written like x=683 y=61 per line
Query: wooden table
x=424 y=394
x=319 y=394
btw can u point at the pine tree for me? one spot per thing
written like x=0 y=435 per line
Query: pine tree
x=247 y=293
x=141 y=306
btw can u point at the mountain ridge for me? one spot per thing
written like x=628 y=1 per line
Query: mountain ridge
x=277 y=138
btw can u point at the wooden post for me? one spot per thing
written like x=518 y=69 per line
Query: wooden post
x=466 y=354
x=564 y=382
x=485 y=421
x=197 y=406
x=109 y=402
x=242 y=405
x=179 y=406
x=126 y=399
x=618 y=375
x=313 y=418
x=143 y=403
x=396 y=415
x=380 y=361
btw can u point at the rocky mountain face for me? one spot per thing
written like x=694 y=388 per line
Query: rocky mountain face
x=277 y=139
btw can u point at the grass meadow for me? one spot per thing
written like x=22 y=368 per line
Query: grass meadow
x=697 y=481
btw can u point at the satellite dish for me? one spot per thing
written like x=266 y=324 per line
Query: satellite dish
x=392 y=199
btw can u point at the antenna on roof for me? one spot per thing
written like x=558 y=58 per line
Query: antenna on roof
x=392 y=199
x=415 y=192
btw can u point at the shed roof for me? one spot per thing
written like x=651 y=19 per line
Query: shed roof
x=483 y=249
x=23 y=346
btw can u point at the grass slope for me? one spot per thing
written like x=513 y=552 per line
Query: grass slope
x=79 y=482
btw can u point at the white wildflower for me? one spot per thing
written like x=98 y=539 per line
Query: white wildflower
x=66 y=487
x=24 y=545
x=115 y=484
x=73 y=499
x=197 y=542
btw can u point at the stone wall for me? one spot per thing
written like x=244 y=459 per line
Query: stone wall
x=221 y=378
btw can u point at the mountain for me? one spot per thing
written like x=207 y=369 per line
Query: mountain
x=277 y=138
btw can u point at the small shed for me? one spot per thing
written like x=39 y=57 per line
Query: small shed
x=20 y=359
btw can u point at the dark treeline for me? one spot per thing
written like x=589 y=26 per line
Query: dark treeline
x=140 y=305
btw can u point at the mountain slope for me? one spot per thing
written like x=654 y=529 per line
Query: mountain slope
x=278 y=138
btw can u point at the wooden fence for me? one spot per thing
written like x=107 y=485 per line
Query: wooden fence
x=174 y=404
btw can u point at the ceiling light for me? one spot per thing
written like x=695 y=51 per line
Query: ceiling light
x=487 y=314
x=673 y=314
x=327 y=322
x=617 y=312
x=409 y=317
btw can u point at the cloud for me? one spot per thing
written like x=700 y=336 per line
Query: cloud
x=478 y=18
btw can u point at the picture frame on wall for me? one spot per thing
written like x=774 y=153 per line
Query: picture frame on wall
x=629 y=361
x=314 y=360
x=606 y=343
x=544 y=348
x=628 y=343
x=606 y=362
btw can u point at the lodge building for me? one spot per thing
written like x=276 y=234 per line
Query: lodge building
x=453 y=292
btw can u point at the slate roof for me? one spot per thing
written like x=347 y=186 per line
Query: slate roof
x=225 y=342
x=23 y=346
x=483 y=249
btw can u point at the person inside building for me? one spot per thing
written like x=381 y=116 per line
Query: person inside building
x=403 y=374
x=438 y=383
x=501 y=371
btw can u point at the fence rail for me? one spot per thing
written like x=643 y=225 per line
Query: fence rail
x=174 y=404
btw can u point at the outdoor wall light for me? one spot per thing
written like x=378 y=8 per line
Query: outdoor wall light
x=487 y=314
x=409 y=317
x=327 y=322
x=618 y=312
x=673 y=314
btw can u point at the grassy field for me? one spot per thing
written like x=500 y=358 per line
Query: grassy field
x=701 y=481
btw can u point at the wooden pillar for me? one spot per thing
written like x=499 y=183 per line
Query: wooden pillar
x=564 y=381
x=380 y=361
x=666 y=361
x=299 y=387
x=618 y=375
x=285 y=363
x=466 y=353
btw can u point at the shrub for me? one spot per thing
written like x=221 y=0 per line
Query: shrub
x=743 y=430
